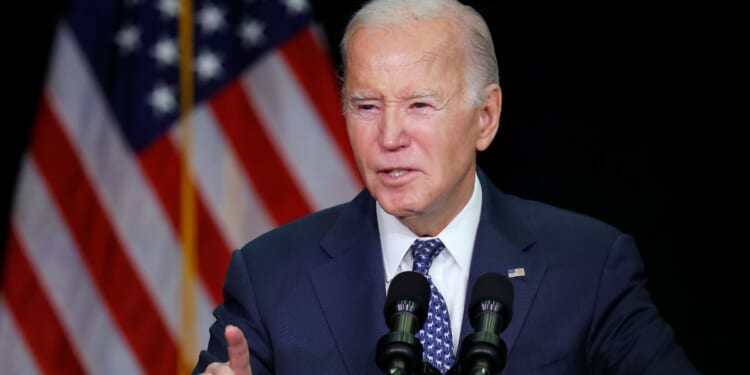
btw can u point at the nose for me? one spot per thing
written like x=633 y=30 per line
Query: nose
x=392 y=130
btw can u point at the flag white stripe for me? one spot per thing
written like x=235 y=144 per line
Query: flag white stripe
x=15 y=356
x=57 y=264
x=298 y=133
x=230 y=198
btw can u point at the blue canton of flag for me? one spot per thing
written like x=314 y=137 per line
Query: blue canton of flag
x=140 y=77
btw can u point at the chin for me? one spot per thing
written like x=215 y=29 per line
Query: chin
x=398 y=208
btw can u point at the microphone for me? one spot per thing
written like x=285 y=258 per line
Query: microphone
x=399 y=351
x=490 y=310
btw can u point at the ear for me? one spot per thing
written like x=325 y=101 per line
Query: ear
x=489 y=116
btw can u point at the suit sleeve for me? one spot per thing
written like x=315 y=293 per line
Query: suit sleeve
x=239 y=308
x=628 y=335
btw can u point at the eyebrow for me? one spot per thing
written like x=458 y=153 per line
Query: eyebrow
x=356 y=97
x=429 y=93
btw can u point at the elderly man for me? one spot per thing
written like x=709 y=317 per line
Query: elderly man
x=421 y=98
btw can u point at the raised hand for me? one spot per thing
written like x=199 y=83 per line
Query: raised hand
x=238 y=352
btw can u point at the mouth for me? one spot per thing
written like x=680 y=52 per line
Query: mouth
x=396 y=175
x=396 y=172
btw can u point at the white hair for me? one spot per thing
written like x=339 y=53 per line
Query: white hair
x=481 y=68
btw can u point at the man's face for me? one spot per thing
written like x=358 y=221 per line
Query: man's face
x=412 y=130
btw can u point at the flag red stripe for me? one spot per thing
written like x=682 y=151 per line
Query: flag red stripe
x=161 y=163
x=312 y=68
x=35 y=316
x=277 y=188
x=116 y=279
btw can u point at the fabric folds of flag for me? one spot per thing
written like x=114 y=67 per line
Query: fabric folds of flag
x=91 y=280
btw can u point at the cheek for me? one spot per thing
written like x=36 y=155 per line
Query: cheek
x=442 y=140
x=455 y=146
x=360 y=140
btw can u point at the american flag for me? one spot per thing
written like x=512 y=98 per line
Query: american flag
x=516 y=272
x=123 y=203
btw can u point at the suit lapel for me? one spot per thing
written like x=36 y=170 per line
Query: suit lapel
x=493 y=253
x=503 y=242
x=351 y=285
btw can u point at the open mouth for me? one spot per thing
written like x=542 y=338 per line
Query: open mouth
x=396 y=172
x=397 y=175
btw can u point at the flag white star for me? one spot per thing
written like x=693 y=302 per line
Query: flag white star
x=128 y=38
x=162 y=98
x=296 y=6
x=251 y=32
x=207 y=66
x=169 y=8
x=211 y=18
x=165 y=51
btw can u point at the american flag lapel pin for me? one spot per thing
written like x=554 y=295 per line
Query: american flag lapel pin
x=516 y=272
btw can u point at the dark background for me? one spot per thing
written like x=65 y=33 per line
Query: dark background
x=608 y=110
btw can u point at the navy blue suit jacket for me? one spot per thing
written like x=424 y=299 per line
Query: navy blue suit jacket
x=309 y=295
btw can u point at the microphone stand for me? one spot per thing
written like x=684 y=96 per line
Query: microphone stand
x=398 y=353
x=398 y=368
x=481 y=354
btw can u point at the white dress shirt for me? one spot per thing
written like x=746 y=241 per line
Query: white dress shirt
x=450 y=269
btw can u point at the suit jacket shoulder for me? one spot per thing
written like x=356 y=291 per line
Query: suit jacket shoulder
x=581 y=303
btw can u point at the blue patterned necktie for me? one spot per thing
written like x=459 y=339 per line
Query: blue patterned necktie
x=436 y=336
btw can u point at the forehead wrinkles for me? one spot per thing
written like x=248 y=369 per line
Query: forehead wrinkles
x=438 y=76
x=406 y=75
x=405 y=60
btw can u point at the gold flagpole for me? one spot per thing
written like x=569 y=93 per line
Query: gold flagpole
x=188 y=342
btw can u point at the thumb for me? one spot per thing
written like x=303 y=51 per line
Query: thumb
x=239 y=353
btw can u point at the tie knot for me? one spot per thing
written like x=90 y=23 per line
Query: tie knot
x=424 y=251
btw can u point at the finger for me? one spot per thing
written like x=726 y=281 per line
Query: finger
x=218 y=368
x=239 y=353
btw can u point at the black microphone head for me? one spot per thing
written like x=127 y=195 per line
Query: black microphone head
x=408 y=286
x=492 y=292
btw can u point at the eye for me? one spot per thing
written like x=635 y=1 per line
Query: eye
x=420 y=105
x=365 y=110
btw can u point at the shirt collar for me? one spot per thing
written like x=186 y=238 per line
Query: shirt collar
x=458 y=236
